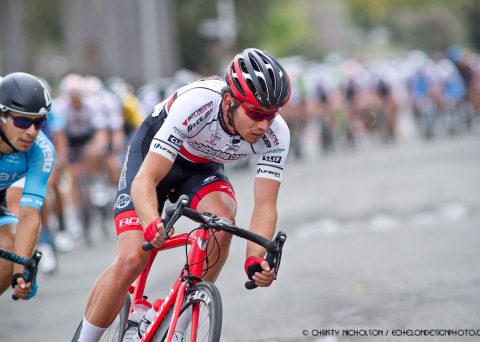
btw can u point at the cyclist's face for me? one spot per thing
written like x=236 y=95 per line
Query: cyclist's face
x=76 y=100
x=20 y=138
x=251 y=130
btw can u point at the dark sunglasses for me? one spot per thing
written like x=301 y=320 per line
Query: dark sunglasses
x=258 y=115
x=23 y=122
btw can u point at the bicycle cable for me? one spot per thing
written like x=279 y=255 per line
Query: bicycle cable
x=206 y=259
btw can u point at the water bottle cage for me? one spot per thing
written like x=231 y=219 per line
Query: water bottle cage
x=132 y=324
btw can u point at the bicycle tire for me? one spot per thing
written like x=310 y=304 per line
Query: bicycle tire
x=116 y=330
x=207 y=295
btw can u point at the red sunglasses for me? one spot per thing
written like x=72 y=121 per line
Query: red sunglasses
x=258 y=115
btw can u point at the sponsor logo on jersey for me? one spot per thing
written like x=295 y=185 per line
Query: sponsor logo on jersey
x=13 y=158
x=5 y=176
x=266 y=141
x=122 y=201
x=179 y=132
x=199 y=111
x=226 y=188
x=175 y=141
x=122 y=182
x=129 y=221
x=214 y=138
x=277 y=150
x=273 y=137
x=210 y=179
x=233 y=145
x=208 y=150
x=199 y=120
x=272 y=159
x=268 y=172
x=160 y=148
x=47 y=152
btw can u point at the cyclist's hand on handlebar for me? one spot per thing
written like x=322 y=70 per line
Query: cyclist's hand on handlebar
x=21 y=289
x=153 y=233
x=258 y=270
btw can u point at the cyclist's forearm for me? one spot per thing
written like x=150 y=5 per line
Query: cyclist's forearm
x=144 y=198
x=26 y=234
x=264 y=221
x=154 y=168
x=264 y=217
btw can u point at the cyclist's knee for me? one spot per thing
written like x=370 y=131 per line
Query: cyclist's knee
x=218 y=203
x=222 y=244
x=131 y=259
x=7 y=238
x=128 y=265
x=5 y=276
x=224 y=239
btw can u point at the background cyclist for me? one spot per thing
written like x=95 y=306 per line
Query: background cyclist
x=87 y=136
x=24 y=151
x=181 y=149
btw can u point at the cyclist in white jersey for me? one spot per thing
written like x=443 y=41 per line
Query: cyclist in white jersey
x=86 y=131
x=111 y=108
x=181 y=149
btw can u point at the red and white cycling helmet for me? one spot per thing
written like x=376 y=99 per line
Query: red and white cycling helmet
x=258 y=79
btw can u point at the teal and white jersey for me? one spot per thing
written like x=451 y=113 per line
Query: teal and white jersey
x=36 y=165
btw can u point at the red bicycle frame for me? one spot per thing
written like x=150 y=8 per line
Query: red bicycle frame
x=198 y=250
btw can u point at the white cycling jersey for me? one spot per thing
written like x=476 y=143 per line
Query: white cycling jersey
x=195 y=129
x=80 y=121
x=111 y=108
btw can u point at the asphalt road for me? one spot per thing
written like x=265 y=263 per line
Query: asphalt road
x=380 y=241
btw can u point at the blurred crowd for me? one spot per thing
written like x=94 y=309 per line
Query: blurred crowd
x=335 y=104
x=340 y=103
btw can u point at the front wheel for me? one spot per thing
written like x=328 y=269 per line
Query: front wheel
x=204 y=299
x=116 y=330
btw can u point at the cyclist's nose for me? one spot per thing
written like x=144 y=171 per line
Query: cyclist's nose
x=263 y=125
x=31 y=130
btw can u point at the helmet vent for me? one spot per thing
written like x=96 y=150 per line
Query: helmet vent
x=252 y=87
x=17 y=105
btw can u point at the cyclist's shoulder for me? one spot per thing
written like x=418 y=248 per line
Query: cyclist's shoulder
x=42 y=147
x=280 y=128
x=201 y=89
x=194 y=100
x=215 y=85
x=276 y=139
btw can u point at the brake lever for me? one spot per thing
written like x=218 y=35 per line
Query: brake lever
x=30 y=269
x=180 y=206
x=273 y=260
x=279 y=242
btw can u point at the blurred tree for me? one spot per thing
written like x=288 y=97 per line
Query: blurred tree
x=190 y=14
x=431 y=25
x=278 y=26
x=471 y=11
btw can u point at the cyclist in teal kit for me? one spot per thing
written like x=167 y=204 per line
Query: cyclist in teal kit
x=24 y=152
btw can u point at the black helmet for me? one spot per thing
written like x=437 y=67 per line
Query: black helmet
x=258 y=79
x=24 y=93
